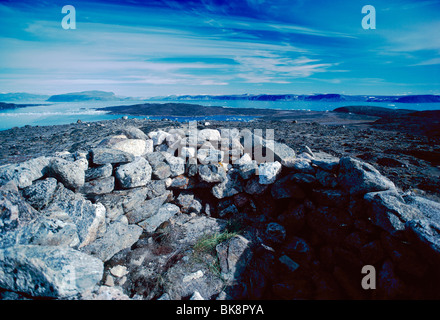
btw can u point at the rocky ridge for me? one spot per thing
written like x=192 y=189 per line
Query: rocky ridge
x=188 y=213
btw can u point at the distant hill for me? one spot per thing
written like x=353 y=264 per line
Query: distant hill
x=373 y=111
x=85 y=96
x=22 y=96
x=184 y=110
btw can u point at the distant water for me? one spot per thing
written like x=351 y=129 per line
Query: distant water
x=70 y=112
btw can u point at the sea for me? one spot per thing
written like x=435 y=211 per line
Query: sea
x=50 y=113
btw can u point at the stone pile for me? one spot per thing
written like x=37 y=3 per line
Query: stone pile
x=181 y=213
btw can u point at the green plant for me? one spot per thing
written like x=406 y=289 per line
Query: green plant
x=208 y=242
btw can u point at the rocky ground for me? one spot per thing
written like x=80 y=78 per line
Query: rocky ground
x=411 y=161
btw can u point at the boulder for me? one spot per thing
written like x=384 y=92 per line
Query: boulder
x=234 y=256
x=46 y=271
x=99 y=186
x=103 y=171
x=230 y=186
x=39 y=194
x=89 y=218
x=118 y=236
x=146 y=209
x=134 y=133
x=134 y=174
x=212 y=173
x=388 y=210
x=106 y=155
x=358 y=177
x=176 y=164
x=268 y=172
x=23 y=174
x=166 y=212
x=160 y=169
x=136 y=147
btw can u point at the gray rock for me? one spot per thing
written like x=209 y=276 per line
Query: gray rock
x=160 y=169
x=15 y=213
x=388 y=210
x=89 y=218
x=48 y=232
x=39 y=194
x=276 y=152
x=327 y=164
x=134 y=174
x=430 y=209
x=288 y=263
x=198 y=226
x=23 y=174
x=230 y=186
x=302 y=165
x=234 y=255
x=134 y=133
x=246 y=166
x=209 y=134
x=146 y=209
x=268 y=172
x=166 y=212
x=358 y=177
x=43 y=271
x=107 y=155
x=254 y=187
x=275 y=233
x=212 y=173
x=426 y=235
x=327 y=179
x=188 y=204
x=118 y=236
x=99 y=186
x=136 y=147
x=286 y=187
x=210 y=156
x=103 y=171
x=177 y=165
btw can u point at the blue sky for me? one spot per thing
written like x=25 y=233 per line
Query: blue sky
x=165 y=47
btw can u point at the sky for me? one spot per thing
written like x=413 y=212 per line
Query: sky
x=169 y=47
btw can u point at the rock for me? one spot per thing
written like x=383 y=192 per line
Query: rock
x=229 y=187
x=327 y=179
x=275 y=233
x=358 y=177
x=103 y=171
x=89 y=218
x=302 y=165
x=430 y=209
x=329 y=164
x=188 y=204
x=134 y=174
x=253 y=186
x=210 y=156
x=426 y=235
x=119 y=271
x=234 y=255
x=158 y=137
x=330 y=197
x=268 y=172
x=177 y=165
x=246 y=166
x=212 y=173
x=48 y=232
x=167 y=211
x=289 y=264
x=99 y=186
x=160 y=169
x=187 y=152
x=389 y=212
x=182 y=182
x=330 y=223
x=39 y=194
x=15 y=213
x=106 y=155
x=110 y=141
x=287 y=188
x=43 y=271
x=23 y=174
x=134 y=133
x=118 y=236
x=146 y=209
x=136 y=147
x=278 y=152
x=209 y=134
x=198 y=226
x=196 y=296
